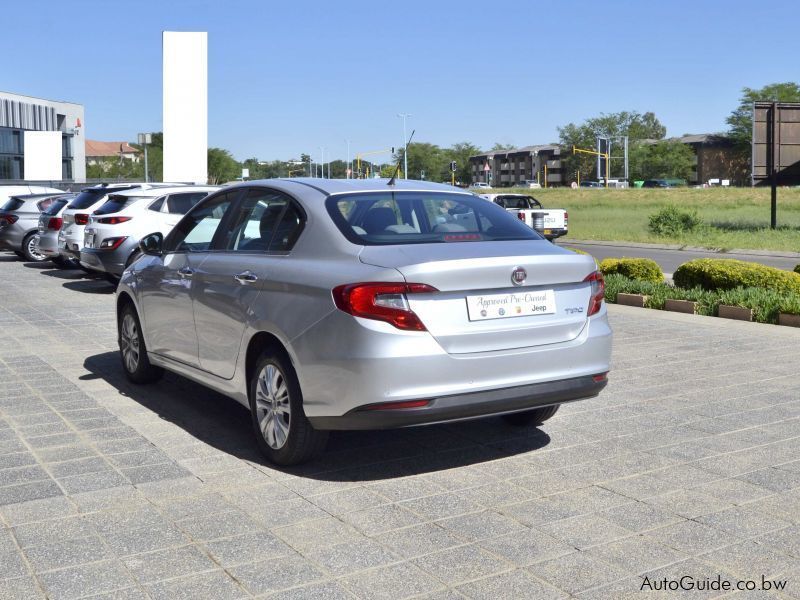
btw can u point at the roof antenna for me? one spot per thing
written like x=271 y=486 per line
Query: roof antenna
x=397 y=168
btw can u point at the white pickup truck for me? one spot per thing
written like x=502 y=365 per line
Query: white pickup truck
x=551 y=223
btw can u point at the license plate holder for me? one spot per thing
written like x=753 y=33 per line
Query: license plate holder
x=524 y=303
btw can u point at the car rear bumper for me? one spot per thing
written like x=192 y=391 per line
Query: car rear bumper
x=345 y=365
x=11 y=237
x=108 y=261
x=467 y=406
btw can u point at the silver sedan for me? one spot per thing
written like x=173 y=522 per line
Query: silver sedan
x=348 y=304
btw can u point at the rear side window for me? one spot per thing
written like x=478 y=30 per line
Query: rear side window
x=180 y=204
x=393 y=218
x=91 y=196
x=114 y=204
x=266 y=220
x=156 y=206
x=55 y=207
x=12 y=204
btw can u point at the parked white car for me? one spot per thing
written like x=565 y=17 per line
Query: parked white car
x=50 y=222
x=480 y=185
x=76 y=215
x=111 y=238
x=530 y=184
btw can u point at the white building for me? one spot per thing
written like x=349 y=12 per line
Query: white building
x=19 y=114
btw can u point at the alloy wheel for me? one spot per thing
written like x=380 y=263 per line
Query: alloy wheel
x=273 y=410
x=33 y=249
x=129 y=342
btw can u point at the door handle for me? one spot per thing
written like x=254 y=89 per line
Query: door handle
x=186 y=272
x=245 y=277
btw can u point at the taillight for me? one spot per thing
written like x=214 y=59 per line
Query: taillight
x=114 y=220
x=382 y=302
x=566 y=218
x=55 y=223
x=598 y=292
x=111 y=243
x=10 y=219
x=81 y=219
x=397 y=405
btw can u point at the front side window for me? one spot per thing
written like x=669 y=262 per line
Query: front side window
x=266 y=220
x=196 y=231
x=423 y=217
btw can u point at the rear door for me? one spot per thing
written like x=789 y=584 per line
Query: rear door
x=264 y=224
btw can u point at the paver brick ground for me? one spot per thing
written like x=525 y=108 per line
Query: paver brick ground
x=688 y=464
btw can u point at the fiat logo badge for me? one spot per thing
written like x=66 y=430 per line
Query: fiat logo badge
x=518 y=276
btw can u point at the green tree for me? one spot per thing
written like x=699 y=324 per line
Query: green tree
x=222 y=166
x=661 y=160
x=500 y=147
x=635 y=125
x=740 y=121
x=425 y=158
x=460 y=153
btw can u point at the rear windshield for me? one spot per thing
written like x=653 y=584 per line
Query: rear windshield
x=56 y=206
x=114 y=204
x=391 y=218
x=179 y=204
x=88 y=197
x=12 y=204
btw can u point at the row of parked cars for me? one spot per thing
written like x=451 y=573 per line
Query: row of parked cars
x=325 y=304
x=96 y=229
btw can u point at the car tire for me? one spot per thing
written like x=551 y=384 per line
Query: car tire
x=531 y=417
x=282 y=430
x=132 y=349
x=29 y=251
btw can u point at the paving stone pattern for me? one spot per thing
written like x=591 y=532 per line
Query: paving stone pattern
x=688 y=464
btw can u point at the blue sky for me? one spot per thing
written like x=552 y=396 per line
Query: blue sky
x=289 y=77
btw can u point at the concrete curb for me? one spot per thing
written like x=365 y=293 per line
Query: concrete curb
x=735 y=251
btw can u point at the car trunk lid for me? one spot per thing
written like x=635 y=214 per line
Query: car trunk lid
x=478 y=307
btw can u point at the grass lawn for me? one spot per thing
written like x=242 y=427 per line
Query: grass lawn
x=733 y=217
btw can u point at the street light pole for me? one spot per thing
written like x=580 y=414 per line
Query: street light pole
x=144 y=139
x=347 y=164
x=404 y=116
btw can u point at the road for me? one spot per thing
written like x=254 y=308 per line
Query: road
x=669 y=260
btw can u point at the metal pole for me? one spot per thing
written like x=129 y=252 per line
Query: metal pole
x=626 y=159
x=146 y=174
x=772 y=158
x=347 y=164
x=405 y=145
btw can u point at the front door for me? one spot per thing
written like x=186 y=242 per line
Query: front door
x=167 y=282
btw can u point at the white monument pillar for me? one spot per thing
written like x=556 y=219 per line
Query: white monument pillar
x=185 y=106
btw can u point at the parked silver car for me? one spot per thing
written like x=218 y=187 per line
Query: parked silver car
x=19 y=224
x=354 y=304
x=76 y=215
x=111 y=239
x=50 y=222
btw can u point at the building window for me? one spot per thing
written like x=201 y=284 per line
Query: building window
x=66 y=169
x=10 y=167
x=66 y=146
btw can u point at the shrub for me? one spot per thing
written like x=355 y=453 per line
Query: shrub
x=725 y=274
x=643 y=269
x=797 y=269
x=672 y=221
x=764 y=303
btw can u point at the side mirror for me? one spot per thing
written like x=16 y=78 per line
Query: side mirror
x=152 y=244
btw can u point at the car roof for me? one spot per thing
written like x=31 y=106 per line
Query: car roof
x=329 y=187
x=161 y=191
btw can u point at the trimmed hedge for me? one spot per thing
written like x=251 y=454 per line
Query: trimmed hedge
x=766 y=304
x=643 y=269
x=726 y=274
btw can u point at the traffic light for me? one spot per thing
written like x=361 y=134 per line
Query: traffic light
x=453 y=166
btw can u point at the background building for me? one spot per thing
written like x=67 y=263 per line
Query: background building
x=717 y=158
x=97 y=151
x=509 y=167
x=25 y=113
